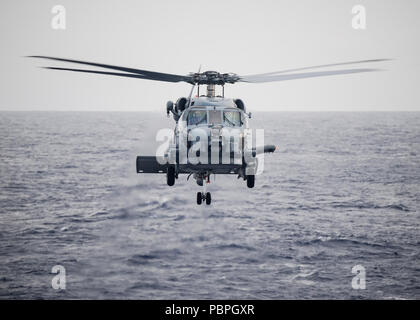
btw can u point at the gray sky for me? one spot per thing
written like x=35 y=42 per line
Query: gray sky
x=244 y=37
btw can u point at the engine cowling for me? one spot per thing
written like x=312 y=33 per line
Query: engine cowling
x=240 y=104
x=181 y=104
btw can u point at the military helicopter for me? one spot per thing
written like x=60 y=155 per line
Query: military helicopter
x=212 y=134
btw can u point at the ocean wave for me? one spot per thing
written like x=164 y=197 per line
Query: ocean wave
x=339 y=242
x=154 y=255
x=233 y=246
x=363 y=205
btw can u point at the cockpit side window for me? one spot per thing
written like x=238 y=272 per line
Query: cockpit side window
x=197 y=117
x=231 y=119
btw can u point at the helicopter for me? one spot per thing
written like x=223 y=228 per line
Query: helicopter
x=212 y=134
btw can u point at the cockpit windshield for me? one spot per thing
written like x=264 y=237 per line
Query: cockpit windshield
x=214 y=118
x=231 y=119
x=197 y=117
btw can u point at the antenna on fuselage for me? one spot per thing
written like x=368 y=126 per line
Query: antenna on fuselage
x=192 y=89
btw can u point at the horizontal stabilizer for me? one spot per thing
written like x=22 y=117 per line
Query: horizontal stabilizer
x=150 y=164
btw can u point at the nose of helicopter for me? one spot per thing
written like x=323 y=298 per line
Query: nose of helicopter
x=215 y=133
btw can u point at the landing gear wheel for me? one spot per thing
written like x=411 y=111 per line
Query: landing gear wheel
x=208 y=198
x=199 y=198
x=170 y=175
x=250 y=181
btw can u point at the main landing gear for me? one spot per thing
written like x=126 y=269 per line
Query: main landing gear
x=170 y=175
x=204 y=195
x=250 y=181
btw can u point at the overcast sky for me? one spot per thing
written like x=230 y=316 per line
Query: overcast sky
x=241 y=36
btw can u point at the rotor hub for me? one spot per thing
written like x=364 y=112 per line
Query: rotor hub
x=213 y=77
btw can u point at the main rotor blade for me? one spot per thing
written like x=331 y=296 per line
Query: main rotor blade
x=294 y=76
x=120 y=74
x=314 y=67
x=145 y=74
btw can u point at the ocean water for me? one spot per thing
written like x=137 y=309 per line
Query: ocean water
x=342 y=189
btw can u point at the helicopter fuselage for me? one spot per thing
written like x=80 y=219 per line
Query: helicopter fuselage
x=210 y=137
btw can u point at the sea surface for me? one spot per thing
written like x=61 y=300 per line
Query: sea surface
x=342 y=189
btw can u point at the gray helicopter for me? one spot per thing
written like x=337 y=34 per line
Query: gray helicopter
x=212 y=134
